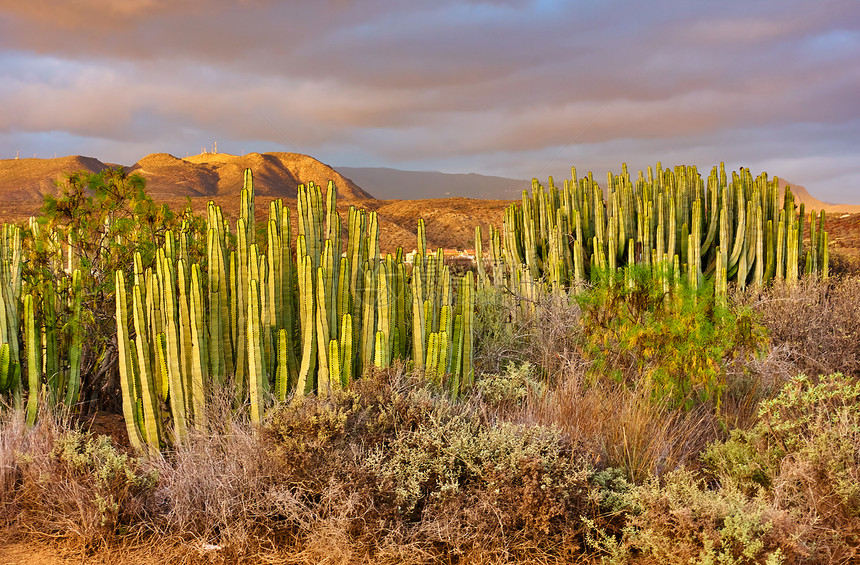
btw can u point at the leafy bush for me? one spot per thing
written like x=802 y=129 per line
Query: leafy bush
x=682 y=521
x=678 y=345
x=804 y=454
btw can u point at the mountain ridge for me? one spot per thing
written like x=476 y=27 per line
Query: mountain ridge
x=167 y=176
x=451 y=218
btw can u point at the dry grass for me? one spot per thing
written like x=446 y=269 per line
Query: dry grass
x=814 y=327
x=624 y=428
x=61 y=483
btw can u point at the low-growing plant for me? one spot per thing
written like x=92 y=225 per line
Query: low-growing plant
x=804 y=455
x=83 y=488
x=680 y=520
x=512 y=388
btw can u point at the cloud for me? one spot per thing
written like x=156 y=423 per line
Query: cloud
x=445 y=83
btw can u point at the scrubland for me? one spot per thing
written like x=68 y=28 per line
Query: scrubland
x=605 y=426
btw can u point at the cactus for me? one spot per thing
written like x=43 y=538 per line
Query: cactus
x=306 y=382
x=73 y=386
x=145 y=383
x=126 y=366
x=563 y=236
x=34 y=370
x=256 y=362
x=345 y=353
x=352 y=309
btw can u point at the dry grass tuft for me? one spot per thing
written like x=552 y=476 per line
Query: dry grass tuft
x=814 y=327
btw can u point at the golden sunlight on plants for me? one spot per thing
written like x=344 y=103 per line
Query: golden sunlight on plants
x=664 y=371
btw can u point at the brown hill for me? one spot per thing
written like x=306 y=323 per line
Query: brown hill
x=26 y=180
x=217 y=174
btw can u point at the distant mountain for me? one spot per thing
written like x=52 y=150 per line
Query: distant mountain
x=26 y=180
x=207 y=175
x=391 y=184
x=801 y=195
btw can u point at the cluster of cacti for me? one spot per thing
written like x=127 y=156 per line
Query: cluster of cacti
x=10 y=297
x=444 y=323
x=52 y=350
x=274 y=321
x=670 y=220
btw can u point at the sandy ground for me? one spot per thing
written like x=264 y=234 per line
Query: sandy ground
x=28 y=553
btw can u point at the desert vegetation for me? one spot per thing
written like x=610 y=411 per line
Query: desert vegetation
x=661 y=372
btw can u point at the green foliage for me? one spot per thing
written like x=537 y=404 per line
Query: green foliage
x=803 y=454
x=678 y=344
x=815 y=424
x=95 y=225
x=612 y=492
x=679 y=520
x=443 y=460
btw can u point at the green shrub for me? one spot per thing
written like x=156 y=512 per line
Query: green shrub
x=678 y=344
x=682 y=521
x=804 y=454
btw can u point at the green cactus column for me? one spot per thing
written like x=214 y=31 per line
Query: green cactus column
x=34 y=369
x=256 y=362
x=126 y=366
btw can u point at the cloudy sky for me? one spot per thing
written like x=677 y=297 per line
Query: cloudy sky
x=509 y=88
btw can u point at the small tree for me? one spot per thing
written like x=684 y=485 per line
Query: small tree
x=96 y=224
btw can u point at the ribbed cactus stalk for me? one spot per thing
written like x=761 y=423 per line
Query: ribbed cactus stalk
x=76 y=338
x=380 y=352
x=418 y=320
x=282 y=374
x=346 y=351
x=334 y=365
x=467 y=312
x=34 y=369
x=256 y=361
x=483 y=279
x=322 y=331
x=198 y=352
x=126 y=366
x=5 y=366
x=175 y=374
x=146 y=393
x=367 y=336
x=307 y=371
x=10 y=296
